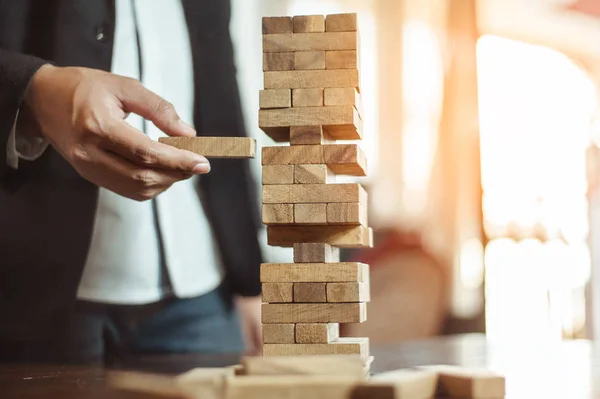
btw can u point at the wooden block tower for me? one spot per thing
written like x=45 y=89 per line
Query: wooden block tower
x=311 y=99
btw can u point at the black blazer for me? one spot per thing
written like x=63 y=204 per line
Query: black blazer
x=47 y=210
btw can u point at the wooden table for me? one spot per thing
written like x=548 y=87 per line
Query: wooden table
x=567 y=370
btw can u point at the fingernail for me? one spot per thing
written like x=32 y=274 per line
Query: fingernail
x=190 y=131
x=201 y=168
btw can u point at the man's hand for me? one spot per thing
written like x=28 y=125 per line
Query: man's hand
x=250 y=314
x=81 y=112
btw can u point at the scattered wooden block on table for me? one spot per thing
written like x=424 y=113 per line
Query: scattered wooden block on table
x=214 y=147
x=292 y=387
x=310 y=292
x=345 y=159
x=354 y=213
x=319 y=79
x=277 y=174
x=410 y=384
x=339 y=236
x=341 y=23
x=279 y=43
x=315 y=253
x=279 y=333
x=322 y=365
x=317 y=333
x=314 y=272
x=348 y=292
x=309 y=23
x=312 y=193
x=345 y=59
x=275 y=98
x=278 y=292
x=278 y=62
x=310 y=213
x=312 y=174
x=309 y=60
x=343 y=346
x=469 y=383
x=271 y=25
x=314 y=312
x=307 y=98
x=277 y=213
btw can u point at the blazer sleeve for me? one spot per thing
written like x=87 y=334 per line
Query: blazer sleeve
x=16 y=71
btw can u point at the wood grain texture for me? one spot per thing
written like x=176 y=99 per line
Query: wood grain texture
x=341 y=23
x=309 y=23
x=340 y=236
x=311 y=79
x=277 y=174
x=312 y=193
x=346 y=59
x=343 y=346
x=342 y=96
x=348 y=213
x=348 y=292
x=311 y=174
x=275 y=98
x=345 y=159
x=307 y=98
x=310 y=292
x=292 y=155
x=407 y=383
x=317 y=333
x=310 y=214
x=214 y=147
x=470 y=383
x=314 y=272
x=278 y=62
x=277 y=214
x=348 y=159
x=315 y=252
x=278 y=334
x=278 y=43
x=278 y=292
x=306 y=135
x=350 y=131
x=314 y=312
x=274 y=25
x=332 y=365
x=309 y=60
x=293 y=386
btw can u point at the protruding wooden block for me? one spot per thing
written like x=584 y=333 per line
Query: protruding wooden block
x=275 y=98
x=310 y=213
x=307 y=98
x=314 y=272
x=278 y=43
x=277 y=213
x=348 y=292
x=343 y=346
x=340 y=236
x=470 y=383
x=292 y=155
x=272 y=25
x=345 y=159
x=309 y=23
x=312 y=193
x=332 y=365
x=311 y=79
x=311 y=174
x=279 y=333
x=346 y=59
x=306 y=135
x=214 y=147
x=309 y=60
x=278 y=292
x=310 y=292
x=317 y=333
x=341 y=23
x=314 y=312
x=347 y=213
x=278 y=61
x=277 y=174
x=314 y=252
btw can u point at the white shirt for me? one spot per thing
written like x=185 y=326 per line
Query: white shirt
x=123 y=264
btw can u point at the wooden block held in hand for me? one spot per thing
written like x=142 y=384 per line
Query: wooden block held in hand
x=314 y=272
x=317 y=333
x=467 y=383
x=309 y=60
x=279 y=43
x=278 y=333
x=309 y=23
x=341 y=23
x=307 y=98
x=310 y=213
x=310 y=292
x=311 y=79
x=275 y=98
x=345 y=59
x=293 y=155
x=278 y=61
x=214 y=147
x=278 y=292
x=349 y=213
x=314 y=313
x=332 y=365
x=343 y=346
x=348 y=292
x=271 y=25
x=311 y=174
x=340 y=236
x=315 y=253
x=277 y=214
x=306 y=135
x=277 y=174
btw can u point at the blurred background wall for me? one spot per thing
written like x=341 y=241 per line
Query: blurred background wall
x=482 y=132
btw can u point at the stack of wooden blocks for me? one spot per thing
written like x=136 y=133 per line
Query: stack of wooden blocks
x=311 y=99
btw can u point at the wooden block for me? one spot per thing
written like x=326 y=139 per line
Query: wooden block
x=348 y=292
x=341 y=23
x=309 y=60
x=214 y=147
x=331 y=132
x=317 y=333
x=345 y=59
x=345 y=159
x=343 y=346
x=278 y=174
x=341 y=158
x=278 y=292
x=332 y=365
x=307 y=98
x=298 y=154
x=275 y=98
x=314 y=313
x=279 y=333
x=341 y=96
x=310 y=214
x=277 y=213
x=409 y=384
x=467 y=383
x=311 y=174
x=306 y=135
x=315 y=253
x=278 y=43
x=278 y=62
x=340 y=236
x=312 y=193
x=314 y=272
x=309 y=23
x=271 y=25
x=354 y=213
x=310 y=292
x=311 y=79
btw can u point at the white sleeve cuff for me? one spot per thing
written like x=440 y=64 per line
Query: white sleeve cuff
x=22 y=146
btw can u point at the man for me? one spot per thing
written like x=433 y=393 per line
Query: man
x=93 y=261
